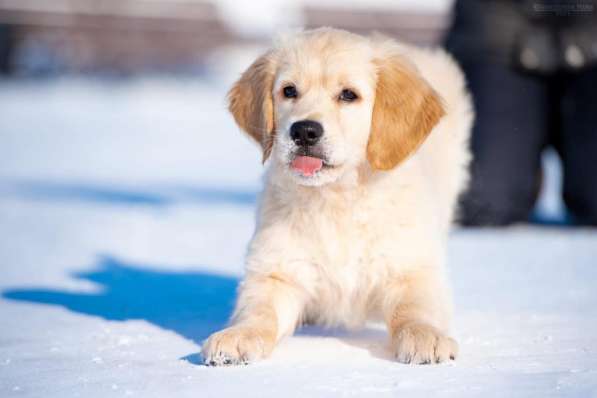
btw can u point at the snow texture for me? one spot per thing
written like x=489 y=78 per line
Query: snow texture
x=125 y=210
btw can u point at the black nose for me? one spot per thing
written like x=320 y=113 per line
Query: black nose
x=306 y=132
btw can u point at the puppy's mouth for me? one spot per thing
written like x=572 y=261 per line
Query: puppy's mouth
x=307 y=164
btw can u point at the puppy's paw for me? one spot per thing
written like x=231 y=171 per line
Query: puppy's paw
x=237 y=345
x=419 y=343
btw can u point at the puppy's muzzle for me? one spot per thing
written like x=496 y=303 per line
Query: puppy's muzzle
x=306 y=133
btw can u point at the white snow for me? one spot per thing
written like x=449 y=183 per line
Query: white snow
x=125 y=210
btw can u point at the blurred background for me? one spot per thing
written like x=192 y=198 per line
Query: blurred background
x=85 y=82
x=125 y=99
x=44 y=38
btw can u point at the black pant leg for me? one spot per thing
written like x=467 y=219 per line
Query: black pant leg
x=578 y=145
x=509 y=134
x=7 y=47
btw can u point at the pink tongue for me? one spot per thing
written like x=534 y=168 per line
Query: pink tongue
x=307 y=165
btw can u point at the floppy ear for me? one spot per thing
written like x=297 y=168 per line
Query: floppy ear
x=405 y=111
x=250 y=102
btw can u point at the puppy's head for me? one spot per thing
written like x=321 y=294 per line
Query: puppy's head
x=324 y=102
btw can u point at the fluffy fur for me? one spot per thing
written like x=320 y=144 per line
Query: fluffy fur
x=363 y=238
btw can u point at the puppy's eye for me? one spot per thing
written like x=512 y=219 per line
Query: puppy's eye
x=290 y=92
x=348 y=95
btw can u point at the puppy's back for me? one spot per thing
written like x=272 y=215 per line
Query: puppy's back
x=445 y=154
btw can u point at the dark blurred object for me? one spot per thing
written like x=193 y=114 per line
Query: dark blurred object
x=532 y=69
x=416 y=27
x=7 y=45
x=119 y=35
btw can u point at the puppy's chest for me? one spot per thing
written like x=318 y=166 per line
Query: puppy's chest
x=346 y=272
x=337 y=243
x=341 y=231
x=342 y=244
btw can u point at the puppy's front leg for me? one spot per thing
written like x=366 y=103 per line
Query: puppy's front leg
x=268 y=308
x=417 y=309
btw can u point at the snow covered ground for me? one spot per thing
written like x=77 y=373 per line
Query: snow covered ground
x=124 y=214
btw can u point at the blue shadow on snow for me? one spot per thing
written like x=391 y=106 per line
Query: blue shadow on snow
x=157 y=196
x=192 y=304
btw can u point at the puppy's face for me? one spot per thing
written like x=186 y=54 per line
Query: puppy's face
x=323 y=101
x=326 y=101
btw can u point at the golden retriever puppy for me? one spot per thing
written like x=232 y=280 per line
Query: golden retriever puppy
x=366 y=147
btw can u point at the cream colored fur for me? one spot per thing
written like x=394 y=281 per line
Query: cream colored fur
x=353 y=242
